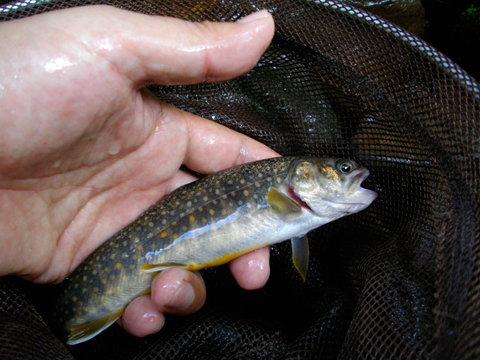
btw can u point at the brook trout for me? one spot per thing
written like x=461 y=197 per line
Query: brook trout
x=208 y=223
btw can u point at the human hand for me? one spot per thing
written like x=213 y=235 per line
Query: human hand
x=85 y=148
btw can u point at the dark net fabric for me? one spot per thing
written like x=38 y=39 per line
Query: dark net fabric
x=399 y=280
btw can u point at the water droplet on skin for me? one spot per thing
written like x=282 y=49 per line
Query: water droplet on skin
x=3 y=91
x=114 y=148
x=59 y=63
x=150 y=316
x=243 y=152
x=255 y=264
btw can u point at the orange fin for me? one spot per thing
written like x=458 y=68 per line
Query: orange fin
x=84 y=332
x=148 y=268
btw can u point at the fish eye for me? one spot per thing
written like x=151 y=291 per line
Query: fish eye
x=345 y=166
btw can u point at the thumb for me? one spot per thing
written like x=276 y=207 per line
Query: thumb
x=169 y=51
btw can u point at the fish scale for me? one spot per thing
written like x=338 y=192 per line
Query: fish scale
x=202 y=224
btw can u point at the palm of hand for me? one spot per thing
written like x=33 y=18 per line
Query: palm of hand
x=85 y=148
x=91 y=151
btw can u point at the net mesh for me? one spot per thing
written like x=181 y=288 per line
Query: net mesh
x=399 y=280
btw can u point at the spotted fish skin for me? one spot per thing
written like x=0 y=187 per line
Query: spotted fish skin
x=205 y=223
x=110 y=277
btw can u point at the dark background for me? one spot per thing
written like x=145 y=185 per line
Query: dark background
x=455 y=30
x=452 y=29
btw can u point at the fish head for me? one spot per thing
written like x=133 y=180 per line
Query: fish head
x=330 y=187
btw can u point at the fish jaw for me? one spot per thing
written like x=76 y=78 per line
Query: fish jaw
x=354 y=193
x=354 y=200
x=331 y=194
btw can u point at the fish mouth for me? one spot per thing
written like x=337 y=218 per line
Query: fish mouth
x=355 y=189
x=356 y=181
x=353 y=194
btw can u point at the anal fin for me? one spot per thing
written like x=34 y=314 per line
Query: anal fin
x=84 y=332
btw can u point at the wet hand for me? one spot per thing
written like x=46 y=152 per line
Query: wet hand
x=85 y=148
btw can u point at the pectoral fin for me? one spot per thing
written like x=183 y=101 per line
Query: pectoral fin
x=149 y=268
x=300 y=254
x=84 y=332
x=282 y=204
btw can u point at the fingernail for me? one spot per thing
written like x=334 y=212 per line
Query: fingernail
x=183 y=297
x=253 y=17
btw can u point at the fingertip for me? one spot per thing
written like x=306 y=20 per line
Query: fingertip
x=174 y=291
x=178 y=291
x=141 y=317
x=251 y=271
